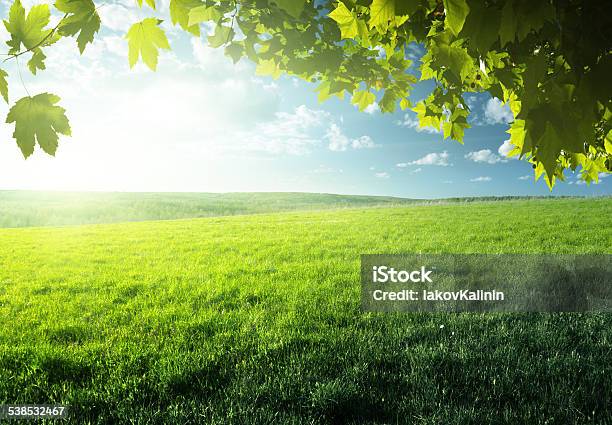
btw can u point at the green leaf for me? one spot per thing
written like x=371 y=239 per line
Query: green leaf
x=607 y=141
x=481 y=27
x=347 y=21
x=37 y=61
x=456 y=12
x=350 y=26
x=15 y=25
x=507 y=29
x=145 y=38
x=533 y=16
x=37 y=20
x=151 y=3
x=517 y=135
x=323 y=91
x=363 y=99
x=549 y=147
x=407 y=7
x=4 y=85
x=456 y=125
x=179 y=13
x=364 y=33
x=200 y=14
x=427 y=73
x=388 y=101
x=337 y=88
x=426 y=115
x=223 y=35
x=456 y=59
x=234 y=51
x=82 y=19
x=268 y=67
x=292 y=7
x=381 y=13
x=29 y=31
x=38 y=120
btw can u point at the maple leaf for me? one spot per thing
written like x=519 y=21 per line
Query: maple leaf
x=82 y=18
x=38 y=120
x=4 y=85
x=145 y=38
x=27 y=30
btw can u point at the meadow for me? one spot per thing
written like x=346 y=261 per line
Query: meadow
x=34 y=208
x=38 y=208
x=256 y=319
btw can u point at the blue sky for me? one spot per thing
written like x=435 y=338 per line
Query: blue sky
x=201 y=123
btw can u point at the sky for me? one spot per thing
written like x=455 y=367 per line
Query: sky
x=202 y=124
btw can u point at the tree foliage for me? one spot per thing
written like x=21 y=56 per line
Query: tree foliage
x=549 y=60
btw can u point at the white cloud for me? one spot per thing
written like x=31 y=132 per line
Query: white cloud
x=324 y=169
x=415 y=51
x=339 y=142
x=302 y=118
x=525 y=177
x=271 y=86
x=484 y=155
x=65 y=63
x=471 y=100
x=288 y=133
x=505 y=149
x=403 y=165
x=581 y=182
x=495 y=112
x=372 y=108
x=116 y=45
x=382 y=175
x=29 y=3
x=217 y=65
x=119 y=17
x=439 y=159
x=363 y=142
x=481 y=179
x=412 y=122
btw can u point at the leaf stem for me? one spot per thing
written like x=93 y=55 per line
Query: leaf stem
x=21 y=76
x=229 y=34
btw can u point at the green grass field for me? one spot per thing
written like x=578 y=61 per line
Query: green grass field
x=256 y=319
x=35 y=209
x=31 y=208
